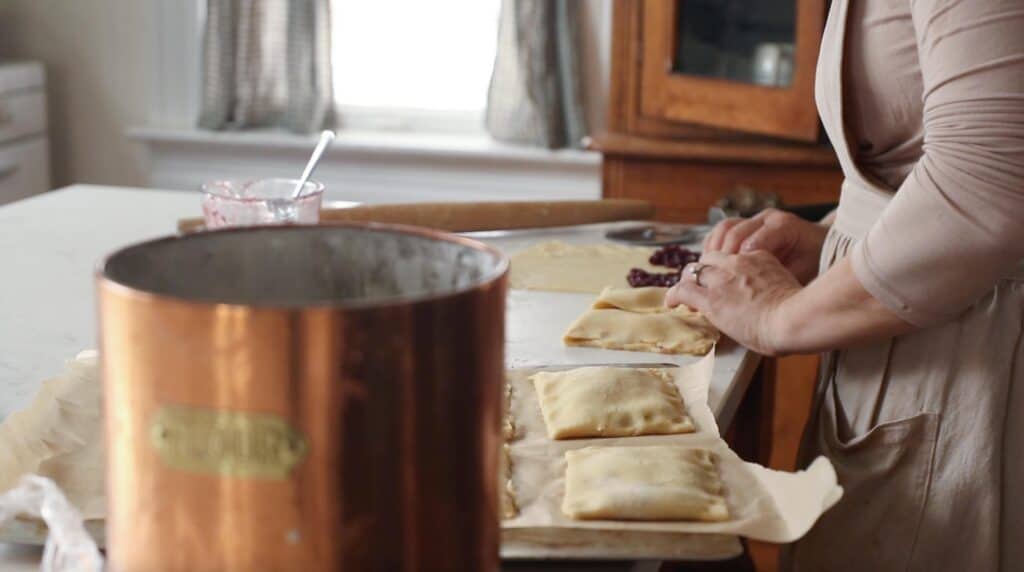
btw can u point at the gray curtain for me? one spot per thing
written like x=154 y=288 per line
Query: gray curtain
x=267 y=63
x=534 y=96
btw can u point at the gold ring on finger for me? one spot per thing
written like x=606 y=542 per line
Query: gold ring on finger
x=695 y=270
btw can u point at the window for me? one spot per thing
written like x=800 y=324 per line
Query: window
x=412 y=64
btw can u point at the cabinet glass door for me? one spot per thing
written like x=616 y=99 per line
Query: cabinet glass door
x=739 y=65
x=749 y=41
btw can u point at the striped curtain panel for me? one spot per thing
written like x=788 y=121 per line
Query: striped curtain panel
x=534 y=96
x=267 y=63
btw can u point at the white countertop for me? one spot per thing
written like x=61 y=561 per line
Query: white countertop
x=51 y=243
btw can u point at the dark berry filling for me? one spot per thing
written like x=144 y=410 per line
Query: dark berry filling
x=638 y=278
x=673 y=256
x=670 y=256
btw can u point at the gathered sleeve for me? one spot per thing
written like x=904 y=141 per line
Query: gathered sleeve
x=956 y=224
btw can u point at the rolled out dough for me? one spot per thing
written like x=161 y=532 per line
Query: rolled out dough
x=610 y=402
x=60 y=436
x=662 y=482
x=670 y=332
x=564 y=267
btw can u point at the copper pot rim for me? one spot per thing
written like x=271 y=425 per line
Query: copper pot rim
x=488 y=281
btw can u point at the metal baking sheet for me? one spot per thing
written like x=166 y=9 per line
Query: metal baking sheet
x=559 y=544
x=562 y=544
x=657 y=234
x=511 y=241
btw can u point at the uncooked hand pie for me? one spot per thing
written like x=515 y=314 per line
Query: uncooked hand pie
x=647 y=300
x=610 y=402
x=636 y=319
x=666 y=332
x=643 y=483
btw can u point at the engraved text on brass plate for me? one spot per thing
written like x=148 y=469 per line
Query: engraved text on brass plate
x=229 y=443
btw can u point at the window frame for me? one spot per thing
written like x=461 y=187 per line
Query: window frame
x=175 y=78
x=367 y=162
x=405 y=120
x=409 y=119
x=175 y=83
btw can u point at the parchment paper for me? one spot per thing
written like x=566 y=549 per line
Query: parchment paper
x=60 y=436
x=767 y=505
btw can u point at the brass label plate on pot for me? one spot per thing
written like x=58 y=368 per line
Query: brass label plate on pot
x=226 y=443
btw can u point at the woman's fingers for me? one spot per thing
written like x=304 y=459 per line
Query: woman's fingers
x=687 y=293
x=772 y=239
x=739 y=233
x=704 y=275
x=738 y=293
x=713 y=241
x=713 y=258
x=696 y=281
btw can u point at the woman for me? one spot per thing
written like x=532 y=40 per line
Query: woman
x=920 y=302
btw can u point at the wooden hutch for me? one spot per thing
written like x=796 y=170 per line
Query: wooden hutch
x=709 y=98
x=703 y=103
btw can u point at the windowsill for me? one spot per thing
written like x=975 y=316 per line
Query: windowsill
x=376 y=166
x=410 y=144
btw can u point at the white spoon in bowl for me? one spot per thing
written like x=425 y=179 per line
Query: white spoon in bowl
x=326 y=137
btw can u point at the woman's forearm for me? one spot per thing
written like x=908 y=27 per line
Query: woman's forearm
x=833 y=311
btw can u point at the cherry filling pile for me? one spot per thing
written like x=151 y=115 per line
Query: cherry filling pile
x=670 y=256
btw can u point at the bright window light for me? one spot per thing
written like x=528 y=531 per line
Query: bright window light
x=415 y=55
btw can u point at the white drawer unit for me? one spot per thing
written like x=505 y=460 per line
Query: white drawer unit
x=22 y=114
x=24 y=168
x=24 y=146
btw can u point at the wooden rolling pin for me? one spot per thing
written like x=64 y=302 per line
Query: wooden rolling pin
x=469 y=217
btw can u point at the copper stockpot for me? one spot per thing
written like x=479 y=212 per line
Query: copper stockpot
x=303 y=398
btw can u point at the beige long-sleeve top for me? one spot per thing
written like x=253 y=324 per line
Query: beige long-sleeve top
x=933 y=110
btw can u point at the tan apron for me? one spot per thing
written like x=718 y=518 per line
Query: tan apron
x=926 y=430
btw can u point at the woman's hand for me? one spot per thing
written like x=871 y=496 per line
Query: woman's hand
x=741 y=294
x=794 y=241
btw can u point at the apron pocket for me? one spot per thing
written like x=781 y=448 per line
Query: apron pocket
x=885 y=474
